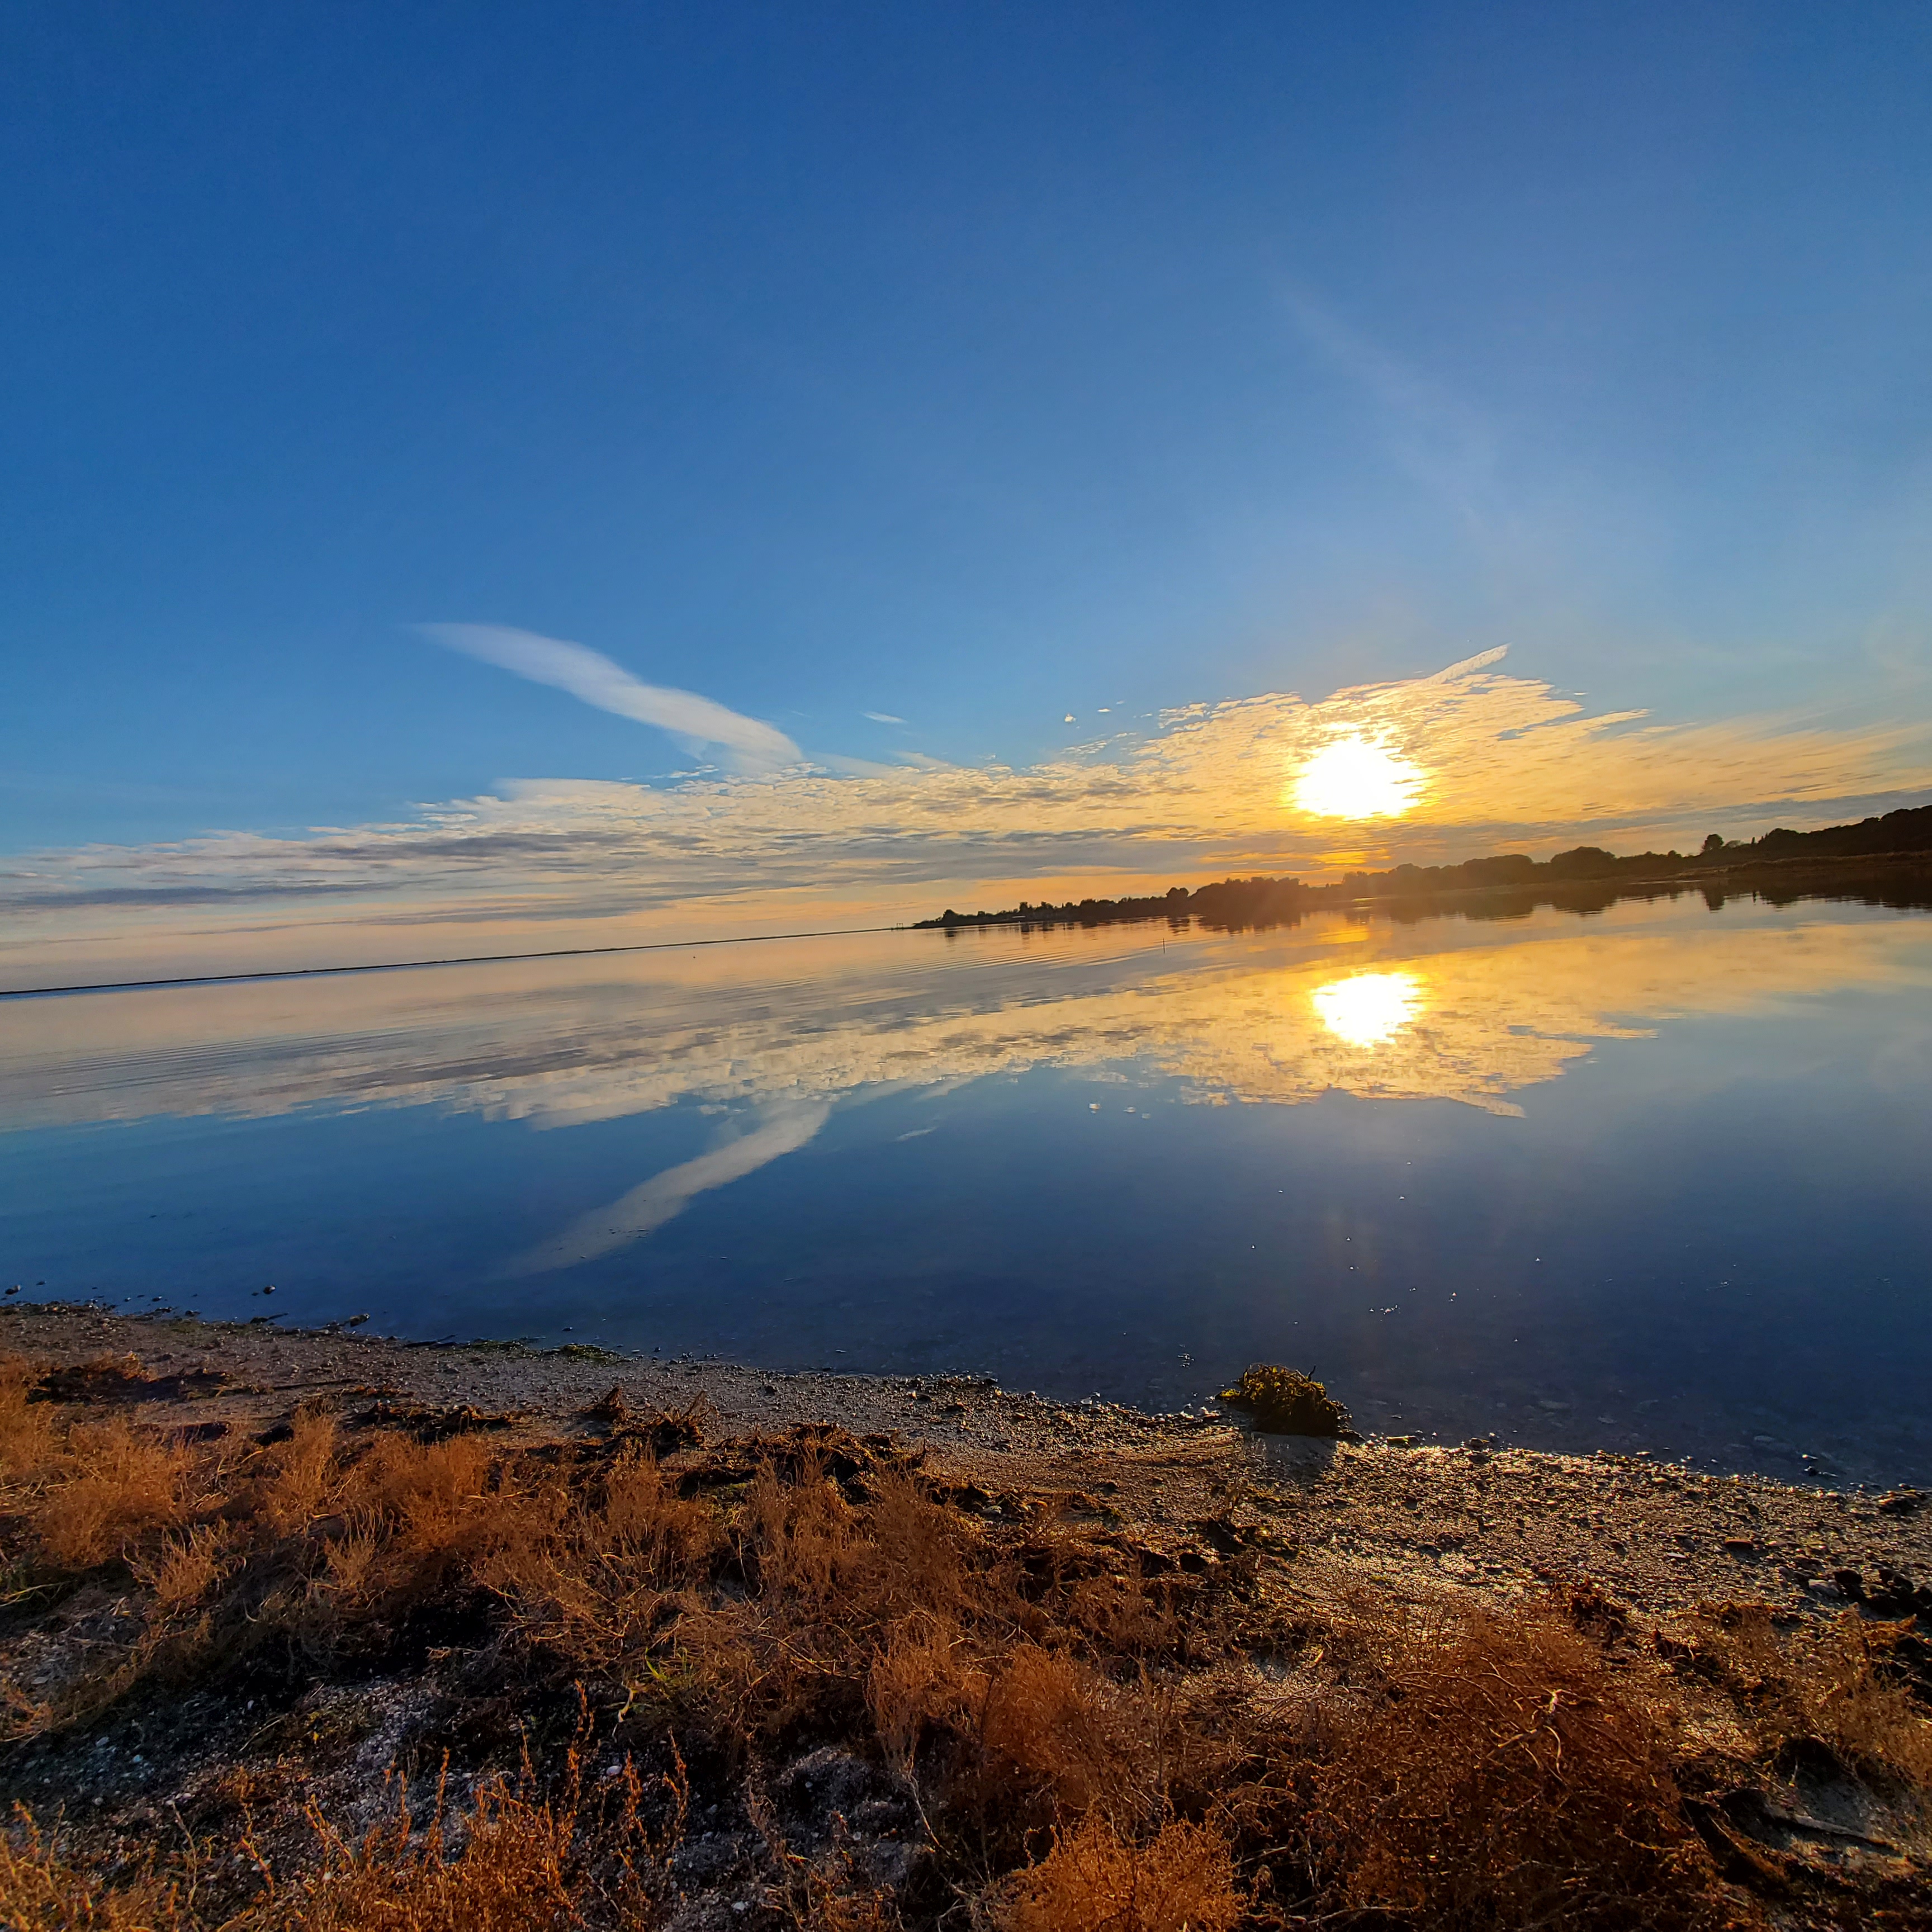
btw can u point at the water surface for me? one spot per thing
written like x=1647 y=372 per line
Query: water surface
x=1654 y=1178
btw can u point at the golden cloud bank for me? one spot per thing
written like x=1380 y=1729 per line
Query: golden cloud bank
x=1203 y=789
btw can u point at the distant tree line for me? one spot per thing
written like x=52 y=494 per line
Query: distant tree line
x=1585 y=878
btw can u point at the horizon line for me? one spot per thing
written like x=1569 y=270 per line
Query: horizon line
x=418 y=965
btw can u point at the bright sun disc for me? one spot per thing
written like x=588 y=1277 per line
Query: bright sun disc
x=1355 y=778
x=1371 y=1009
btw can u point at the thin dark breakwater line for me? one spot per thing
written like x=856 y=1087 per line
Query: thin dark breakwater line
x=419 y=965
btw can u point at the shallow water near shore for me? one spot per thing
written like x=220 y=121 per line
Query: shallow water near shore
x=1655 y=1177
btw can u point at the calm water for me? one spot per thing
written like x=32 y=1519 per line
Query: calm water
x=1657 y=1177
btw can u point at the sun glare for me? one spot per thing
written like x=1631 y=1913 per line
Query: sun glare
x=1356 y=778
x=1370 y=1009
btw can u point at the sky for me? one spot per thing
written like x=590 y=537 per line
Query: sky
x=479 y=470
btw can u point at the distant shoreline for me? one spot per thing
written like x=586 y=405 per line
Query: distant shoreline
x=1586 y=880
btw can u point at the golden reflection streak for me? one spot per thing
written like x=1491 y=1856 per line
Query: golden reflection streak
x=1369 y=1009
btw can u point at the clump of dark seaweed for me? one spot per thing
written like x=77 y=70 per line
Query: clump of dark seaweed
x=1284 y=1402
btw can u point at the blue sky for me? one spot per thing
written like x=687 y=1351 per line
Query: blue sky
x=972 y=366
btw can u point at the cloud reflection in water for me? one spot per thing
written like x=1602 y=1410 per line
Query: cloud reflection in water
x=781 y=1130
x=1448 y=1010
x=772 y=1038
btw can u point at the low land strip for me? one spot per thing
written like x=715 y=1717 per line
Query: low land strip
x=1881 y=861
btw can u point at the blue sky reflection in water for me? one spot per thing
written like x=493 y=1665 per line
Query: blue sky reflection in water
x=1654 y=1178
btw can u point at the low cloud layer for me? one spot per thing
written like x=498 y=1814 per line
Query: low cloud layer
x=1204 y=790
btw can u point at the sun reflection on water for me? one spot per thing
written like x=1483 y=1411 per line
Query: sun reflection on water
x=1369 y=1009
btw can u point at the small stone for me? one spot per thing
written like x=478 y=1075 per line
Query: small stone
x=1896 y=1595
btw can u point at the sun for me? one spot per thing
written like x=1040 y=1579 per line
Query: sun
x=1370 y=1009
x=1356 y=778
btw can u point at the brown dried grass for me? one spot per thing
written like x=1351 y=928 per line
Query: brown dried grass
x=1842 y=1686
x=597 y=1576
x=41 y=1890
x=513 y=1873
x=1183 y=1879
x=1071 y=1732
x=111 y=1490
x=80 y=1493
x=27 y=1429
x=833 y=1588
x=1500 y=1778
x=1053 y=1726
x=516 y=1861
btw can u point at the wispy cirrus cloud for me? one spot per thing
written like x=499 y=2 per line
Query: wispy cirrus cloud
x=1439 y=439
x=751 y=745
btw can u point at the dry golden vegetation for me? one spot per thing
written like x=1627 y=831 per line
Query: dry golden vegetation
x=385 y=1682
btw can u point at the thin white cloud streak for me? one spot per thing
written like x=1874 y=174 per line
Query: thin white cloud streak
x=1441 y=441
x=753 y=745
x=882 y=718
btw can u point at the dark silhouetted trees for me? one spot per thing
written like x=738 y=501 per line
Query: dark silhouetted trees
x=1584 y=879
